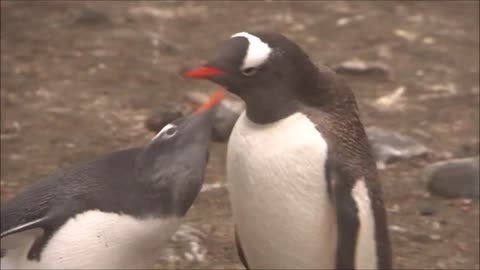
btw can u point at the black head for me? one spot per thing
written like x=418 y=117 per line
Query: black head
x=267 y=70
x=174 y=162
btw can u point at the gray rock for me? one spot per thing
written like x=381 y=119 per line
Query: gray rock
x=226 y=114
x=389 y=146
x=455 y=178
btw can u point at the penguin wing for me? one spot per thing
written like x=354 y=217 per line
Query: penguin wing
x=34 y=224
x=22 y=235
x=33 y=216
x=36 y=232
x=349 y=161
x=241 y=255
x=340 y=185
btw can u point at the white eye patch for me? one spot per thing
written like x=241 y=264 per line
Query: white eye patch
x=164 y=130
x=257 y=51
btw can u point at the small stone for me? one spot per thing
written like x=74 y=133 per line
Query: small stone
x=455 y=178
x=420 y=237
x=153 y=12
x=211 y=186
x=103 y=53
x=435 y=237
x=428 y=40
x=70 y=145
x=426 y=211
x=16 y=156
x=394 y=209
x=391 y=101
x=343 y=21
x=396 y=228
x=389 y=146
x=441 y=265
x=408 y=35
x=449 y=88
x=359 y=67
x=89 y=17
x=385 y=52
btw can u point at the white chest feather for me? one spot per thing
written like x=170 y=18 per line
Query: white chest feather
x=279 y=197
x=97 y=240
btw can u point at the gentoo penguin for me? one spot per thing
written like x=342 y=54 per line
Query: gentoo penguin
x=303 y=183
x=113 y=212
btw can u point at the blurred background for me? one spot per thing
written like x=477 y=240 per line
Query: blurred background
x=79 y=79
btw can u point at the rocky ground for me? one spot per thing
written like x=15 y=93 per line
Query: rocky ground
x=80 y=78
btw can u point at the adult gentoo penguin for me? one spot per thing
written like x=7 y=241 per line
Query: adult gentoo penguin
x=303 y=182
x=114 y=212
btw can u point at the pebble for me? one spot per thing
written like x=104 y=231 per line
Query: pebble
x=389 y=146
x=212 y=186
x=397 y=228
x=90 y=17
x=426 y=211
x=360 y=67
x=405 y=34
x=454 y=178
x=392 y=101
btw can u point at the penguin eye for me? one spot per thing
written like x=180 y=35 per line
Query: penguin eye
x=167 y=131
x=249 y=71
x=170 y=132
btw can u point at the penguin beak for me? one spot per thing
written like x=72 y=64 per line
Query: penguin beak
x=214 y=99
x=201 y=72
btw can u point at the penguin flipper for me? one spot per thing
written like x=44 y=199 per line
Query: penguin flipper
x=25 y=234
x=241 y=255
x=36 y=232
x=340 y=185
x=38 y=223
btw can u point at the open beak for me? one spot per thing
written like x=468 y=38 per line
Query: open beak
x=216 y=97
x=201 y=72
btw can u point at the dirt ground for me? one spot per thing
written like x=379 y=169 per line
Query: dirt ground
x=78 y=78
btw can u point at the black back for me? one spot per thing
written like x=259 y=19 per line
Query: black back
x=108 y=184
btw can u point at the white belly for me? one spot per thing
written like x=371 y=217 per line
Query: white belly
x=96 y=240
x=279 y=197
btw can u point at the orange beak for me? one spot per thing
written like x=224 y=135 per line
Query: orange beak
x=201 y=72
x=214 y=99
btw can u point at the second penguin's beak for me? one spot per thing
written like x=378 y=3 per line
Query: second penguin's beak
x=214 y=99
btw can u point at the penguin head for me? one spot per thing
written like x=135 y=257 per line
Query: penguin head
x=174 y=162
x=257 y=66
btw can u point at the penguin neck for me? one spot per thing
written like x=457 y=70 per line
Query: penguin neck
x=269 y=108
